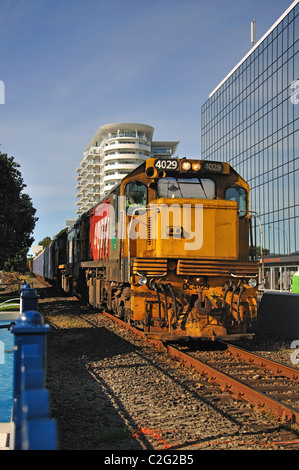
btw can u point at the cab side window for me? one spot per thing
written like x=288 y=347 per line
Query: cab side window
x=136 y=196
x=238 y=194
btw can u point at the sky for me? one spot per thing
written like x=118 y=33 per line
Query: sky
x=71 y=66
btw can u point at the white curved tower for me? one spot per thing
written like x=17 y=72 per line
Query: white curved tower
x=113 y=152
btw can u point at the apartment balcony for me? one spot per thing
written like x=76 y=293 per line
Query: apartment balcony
x=91 y=194
x=115 y=177
x=84 y=208
x=84 y=163
x=93 y=151
x=123 y=156
x=81 y=188
x=92 y=163
x=84 y=172
x=109 y=185
x=126 y=135
x=132 y=145
x=120 y=166
x=92 y=182
x=93 y=188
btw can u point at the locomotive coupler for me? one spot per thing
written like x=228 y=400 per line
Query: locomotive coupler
x=202 y=305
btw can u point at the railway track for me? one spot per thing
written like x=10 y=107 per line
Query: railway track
x=267 y=384
x=271 y=386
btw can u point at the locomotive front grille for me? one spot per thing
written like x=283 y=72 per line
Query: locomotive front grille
x=195 y=267
x=150 y=266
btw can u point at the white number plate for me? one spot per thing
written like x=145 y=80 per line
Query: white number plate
x=164 y=164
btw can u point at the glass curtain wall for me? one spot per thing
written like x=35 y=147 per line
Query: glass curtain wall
x=252 y=121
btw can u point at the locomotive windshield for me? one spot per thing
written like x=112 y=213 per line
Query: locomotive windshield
x=199 y=188
x=136 y=196
x=238 y=194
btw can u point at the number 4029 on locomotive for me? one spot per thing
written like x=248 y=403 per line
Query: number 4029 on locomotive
x=168 y=250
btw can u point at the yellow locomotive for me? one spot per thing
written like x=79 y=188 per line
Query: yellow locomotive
x=168 y=250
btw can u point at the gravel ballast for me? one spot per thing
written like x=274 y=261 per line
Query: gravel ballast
x=112 y=391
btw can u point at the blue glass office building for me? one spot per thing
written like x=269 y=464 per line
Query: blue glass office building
x=251 y=120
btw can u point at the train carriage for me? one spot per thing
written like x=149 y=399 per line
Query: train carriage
x=38 y=264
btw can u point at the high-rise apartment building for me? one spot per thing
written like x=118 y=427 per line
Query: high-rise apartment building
x=113 y=152
x=251 y=120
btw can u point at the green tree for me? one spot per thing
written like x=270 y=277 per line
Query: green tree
x=258 y=251
x=45 y=242
x=17 y=217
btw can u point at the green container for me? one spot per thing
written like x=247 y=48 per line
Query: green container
x=295 y=283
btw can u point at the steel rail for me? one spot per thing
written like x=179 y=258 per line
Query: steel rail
x=263 y=362
x=156 y=342
x=236 y=387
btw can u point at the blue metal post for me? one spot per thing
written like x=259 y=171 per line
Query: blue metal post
x=29 y=299
x=29 y=329
x=30 y=399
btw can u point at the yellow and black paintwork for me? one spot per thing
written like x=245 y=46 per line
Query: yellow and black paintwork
x=171 y=285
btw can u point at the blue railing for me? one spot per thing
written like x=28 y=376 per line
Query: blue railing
x=33 y=427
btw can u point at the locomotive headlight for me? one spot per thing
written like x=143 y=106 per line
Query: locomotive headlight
x=196 y=166
x=252 y=282
x=186 y=166
x=142 y=280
